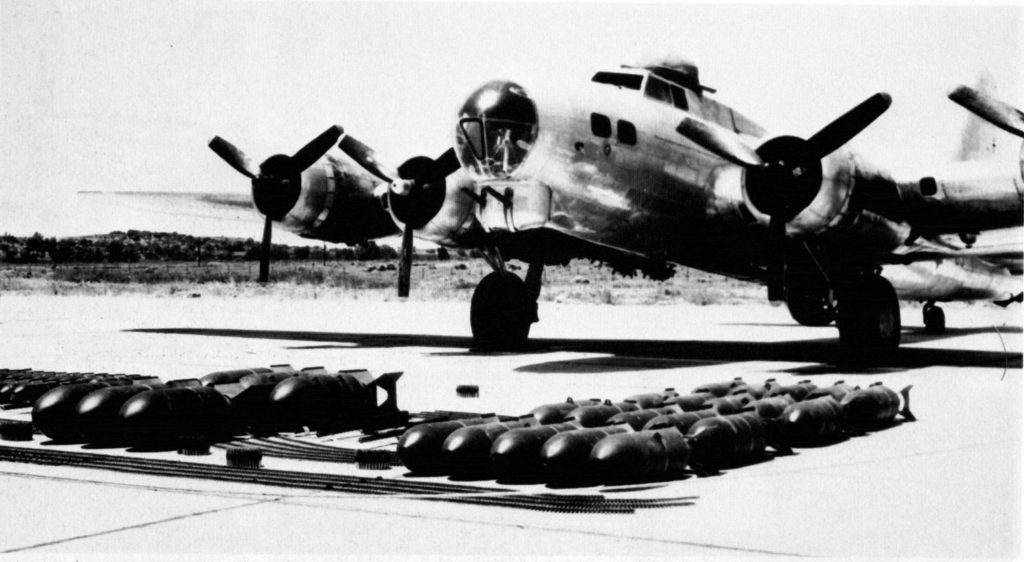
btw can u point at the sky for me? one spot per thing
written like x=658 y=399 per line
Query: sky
x=125 y=95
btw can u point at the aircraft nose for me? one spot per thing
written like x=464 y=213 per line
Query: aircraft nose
x=496 y=129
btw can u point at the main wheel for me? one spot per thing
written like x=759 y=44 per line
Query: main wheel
x=869 y=314
x=500 y=313
x=934 y=319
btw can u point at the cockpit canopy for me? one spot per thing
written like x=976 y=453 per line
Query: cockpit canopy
x=496 y=129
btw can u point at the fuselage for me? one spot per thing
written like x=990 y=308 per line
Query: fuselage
x=604 y=163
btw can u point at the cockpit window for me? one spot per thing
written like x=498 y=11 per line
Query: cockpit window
x=631 y=81
x=499 y=146
x=658 y=89
x=679 y=97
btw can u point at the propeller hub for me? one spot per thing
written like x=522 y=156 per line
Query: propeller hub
x=276 y=190
x=788 y=182
x=422 y=194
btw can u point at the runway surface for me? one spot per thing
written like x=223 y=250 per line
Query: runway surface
x=947 y=485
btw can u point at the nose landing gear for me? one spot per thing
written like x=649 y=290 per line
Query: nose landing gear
x=503 y=308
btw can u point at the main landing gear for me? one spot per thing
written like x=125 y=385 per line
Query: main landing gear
x=503 y=308
x=934 y=319
x=868 y=314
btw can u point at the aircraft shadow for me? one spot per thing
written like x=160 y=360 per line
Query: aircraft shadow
x=645 y=354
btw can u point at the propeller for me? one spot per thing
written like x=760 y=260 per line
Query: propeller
x=277 y=183
x=999 y=113
x=784 y=174
x=415 y=194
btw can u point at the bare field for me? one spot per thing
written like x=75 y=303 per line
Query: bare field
x=450 y=280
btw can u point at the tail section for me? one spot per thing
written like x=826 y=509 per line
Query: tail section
x=905 y=412
x=388 y=383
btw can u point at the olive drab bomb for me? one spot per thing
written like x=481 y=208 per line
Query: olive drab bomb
x=876 y=406
x=467 y=450
x=566 y=455
x=641 y=456
x=419 y=447
x=553 y=413
x=515 y=455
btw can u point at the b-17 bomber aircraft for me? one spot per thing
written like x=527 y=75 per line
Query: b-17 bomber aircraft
x=641 y=169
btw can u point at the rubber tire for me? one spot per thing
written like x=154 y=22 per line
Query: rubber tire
x=808 y=311
x=500 y=313
x=934 y=320
x=869 y=315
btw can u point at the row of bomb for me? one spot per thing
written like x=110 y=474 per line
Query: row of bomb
x=649 y=436
x=213 y=407
x=22 y=387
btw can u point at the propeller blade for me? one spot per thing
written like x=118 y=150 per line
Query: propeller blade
x=366 y=157
x=233 y=156
x=405 y=262
x=999 y=113
x=849 y=125
x=265 y=252
x=720 y=142
x=777 y=259
x=447 y=163
x=316 y=148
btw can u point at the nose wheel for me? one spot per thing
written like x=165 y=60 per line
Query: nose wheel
x=869 y=314
x=934 y=319
x=501 y=312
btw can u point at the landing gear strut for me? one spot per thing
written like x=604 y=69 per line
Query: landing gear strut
x=503 y=308
x=869 y=314
x=934 y=319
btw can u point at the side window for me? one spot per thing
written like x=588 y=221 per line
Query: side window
x=627 y=132
x=658 y=90
x=679 y=98
x=600 y=125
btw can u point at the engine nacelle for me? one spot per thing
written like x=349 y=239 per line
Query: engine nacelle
x=336 y=203
x=813 y=194
x=456 y=215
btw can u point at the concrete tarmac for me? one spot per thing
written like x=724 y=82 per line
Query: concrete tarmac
x=945 y=486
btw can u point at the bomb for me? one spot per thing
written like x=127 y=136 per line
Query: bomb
x=468 y=449
x=566 y=456
x=598 y=415
x=839 y=390
x=97 y=413
x=515 y=456
x=641 y=456
x=810 y=421
x=719 y=389
x=647 y=400
x=55 y=414
x=236 y=375
x=690 y=402
x=331 y=402
x=250 y=397
x=160 y=417
x=682 y=421
x=771 y=407
x=876 y=406
x=729 y=404
x=419 y=447
x=756 y=390
x=638 y=418
x=798 y=391
x=727 y=440
x=553 y=413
